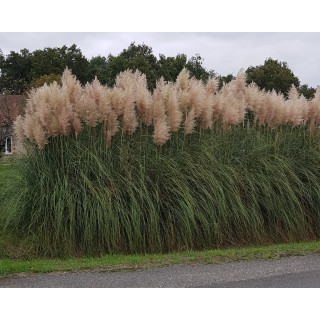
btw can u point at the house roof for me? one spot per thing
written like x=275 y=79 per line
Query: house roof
x=10 y=107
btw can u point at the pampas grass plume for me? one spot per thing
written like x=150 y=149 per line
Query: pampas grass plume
x=161 y=132
x=212 y=86
x=182 y=81
x=190 y=123
x=173 y=111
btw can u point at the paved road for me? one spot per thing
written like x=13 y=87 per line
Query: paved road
x=290 y=272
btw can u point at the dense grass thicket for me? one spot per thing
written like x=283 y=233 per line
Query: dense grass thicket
x=121 y=170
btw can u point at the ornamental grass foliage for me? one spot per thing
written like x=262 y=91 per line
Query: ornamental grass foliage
x=124 y=170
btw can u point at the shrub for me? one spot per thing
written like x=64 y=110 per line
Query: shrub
x=188 y=167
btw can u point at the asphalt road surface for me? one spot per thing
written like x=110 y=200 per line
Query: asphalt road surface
x=289 y=272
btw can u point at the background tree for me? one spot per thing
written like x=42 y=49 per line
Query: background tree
x=225 y=79
x=273 y=74
x=307 y=91
x=75 y=61
x=15 y=72
x=20 y=71
x=170 y=67
x=98 y=68
x=135 y=57
x=196 y=68
x=2 y=59
x=142 y=58
x=46 y=61
x=55 y=60
x=39 y=82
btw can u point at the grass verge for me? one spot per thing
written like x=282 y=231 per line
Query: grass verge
x=135 y=262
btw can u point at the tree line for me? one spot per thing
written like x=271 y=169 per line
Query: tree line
x=23 y=70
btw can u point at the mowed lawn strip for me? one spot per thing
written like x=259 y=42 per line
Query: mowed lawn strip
x=135 y=262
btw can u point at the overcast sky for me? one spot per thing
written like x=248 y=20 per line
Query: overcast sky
x=224 y=52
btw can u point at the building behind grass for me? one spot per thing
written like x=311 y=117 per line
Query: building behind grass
x=10 y=107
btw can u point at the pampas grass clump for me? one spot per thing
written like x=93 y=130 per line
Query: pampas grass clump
x=123 y=170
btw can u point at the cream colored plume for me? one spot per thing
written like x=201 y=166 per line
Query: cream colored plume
x=54 y=110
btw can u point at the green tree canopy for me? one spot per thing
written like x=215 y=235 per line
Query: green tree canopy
x=2 y=59
x=55 y=60
x=15 y=72
x=45 y=79
x=307 y=91
x=135 y=57
x=170 y=67
x=142 y=58
x=197 y=70
x=98 y=68
x=225 y=79
x=273 y=74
